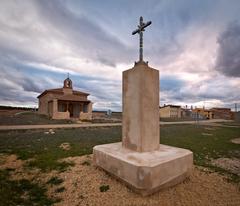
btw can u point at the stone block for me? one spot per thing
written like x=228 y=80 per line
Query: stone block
x=141 y=108
x=145 y=172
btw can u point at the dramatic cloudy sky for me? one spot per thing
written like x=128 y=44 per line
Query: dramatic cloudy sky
x=194 y=44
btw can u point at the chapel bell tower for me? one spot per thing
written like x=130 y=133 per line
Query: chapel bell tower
x=67 y=86
x=67 y=83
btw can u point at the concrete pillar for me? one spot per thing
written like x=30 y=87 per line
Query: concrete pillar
x=89 y=108
x=67 y=106
x=141 y=108
x=55 y=106
x=138 y=160
x=81 y=107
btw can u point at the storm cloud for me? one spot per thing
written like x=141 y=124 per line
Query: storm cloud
x=228 y=59
x=190 y=42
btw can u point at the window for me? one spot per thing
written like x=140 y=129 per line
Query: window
x=62 y=107
x=85 y=108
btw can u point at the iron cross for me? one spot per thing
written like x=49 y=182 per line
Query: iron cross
x=140 y=30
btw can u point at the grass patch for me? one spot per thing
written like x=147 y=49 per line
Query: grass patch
x=231 y=123
x=204 y=147
x=45 y=151
x=29 y=118
x=55 y=181
x=47 y=162
x=104 y=188
x=21 y=192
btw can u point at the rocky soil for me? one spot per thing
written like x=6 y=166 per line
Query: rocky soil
x=82 y=184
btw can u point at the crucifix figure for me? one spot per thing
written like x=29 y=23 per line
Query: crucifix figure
x=140 y=30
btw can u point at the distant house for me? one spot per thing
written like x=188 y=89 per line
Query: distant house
x=222 y=113
x=186 y=113
x=170 y=111
x=202 y=113
x=65 y=103
x=237 y=116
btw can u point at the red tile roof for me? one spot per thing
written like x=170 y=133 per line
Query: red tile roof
x=60 y=91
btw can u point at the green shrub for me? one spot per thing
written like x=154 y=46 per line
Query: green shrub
x=104 y=188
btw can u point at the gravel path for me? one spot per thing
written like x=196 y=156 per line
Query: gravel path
x=82 y=184
x=54 y=126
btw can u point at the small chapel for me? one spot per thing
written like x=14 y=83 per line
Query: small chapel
x=65 y=103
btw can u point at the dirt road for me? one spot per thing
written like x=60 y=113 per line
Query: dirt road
x=212 y=122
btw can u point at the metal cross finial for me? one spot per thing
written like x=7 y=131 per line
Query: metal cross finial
x=140 y=30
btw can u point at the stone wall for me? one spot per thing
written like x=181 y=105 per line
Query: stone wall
x=164 y=112
x=170 y=112
x=43 y=103
x=61 y=115
x=85 y=116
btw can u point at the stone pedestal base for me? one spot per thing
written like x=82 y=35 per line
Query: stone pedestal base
x=145 y=172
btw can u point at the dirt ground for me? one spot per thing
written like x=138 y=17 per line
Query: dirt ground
x=232 y=165
x=82 y=184
x=9 y=112
x=236 y=141
x=10 y=161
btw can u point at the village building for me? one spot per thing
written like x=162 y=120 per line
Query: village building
x=202 y=113
x=186 y=113
x=236 y=116
x=170 y=111
x=222 y=113
x=65 y=103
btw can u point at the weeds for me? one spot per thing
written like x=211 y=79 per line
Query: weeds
x=32 y=144
x=104 y=188
x=55 y=181
x=22 y=192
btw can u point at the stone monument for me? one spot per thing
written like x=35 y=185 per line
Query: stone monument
x=140 y=160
